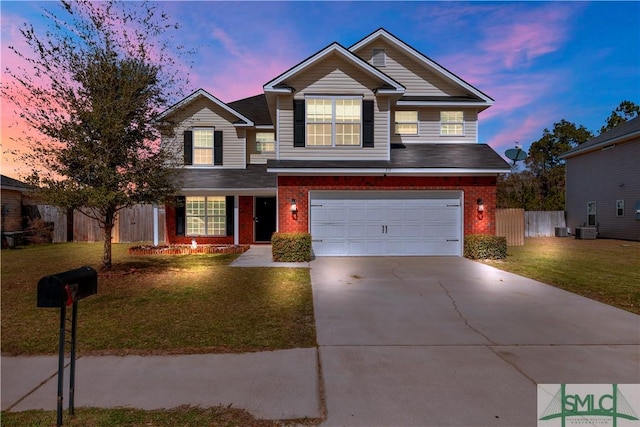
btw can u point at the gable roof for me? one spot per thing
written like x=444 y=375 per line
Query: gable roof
x=621 y=133
x=255 y=108
x=278 y=84
x=424 y=60
x=243 y=121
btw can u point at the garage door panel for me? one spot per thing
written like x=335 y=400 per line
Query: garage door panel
x=386 y=223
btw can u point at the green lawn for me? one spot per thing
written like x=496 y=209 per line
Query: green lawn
x=604 y=270
x=157 y=304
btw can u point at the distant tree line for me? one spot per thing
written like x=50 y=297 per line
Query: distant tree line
x=540 y=186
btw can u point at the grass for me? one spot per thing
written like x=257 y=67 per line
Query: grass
x=157 y=304
x=604 y=270
x=183 y=416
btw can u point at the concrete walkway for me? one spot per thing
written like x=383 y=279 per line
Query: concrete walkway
x=402 y=342
x=260 y=256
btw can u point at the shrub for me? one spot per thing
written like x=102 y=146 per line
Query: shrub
x=291 y=247
x=485 y=246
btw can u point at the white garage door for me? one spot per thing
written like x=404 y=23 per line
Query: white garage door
x=386 y=223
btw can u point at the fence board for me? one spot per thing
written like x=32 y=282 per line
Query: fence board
x=510 y=224
x=543 y=223
x=58 y=217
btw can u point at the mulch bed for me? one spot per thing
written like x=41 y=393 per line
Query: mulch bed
x=187 y=249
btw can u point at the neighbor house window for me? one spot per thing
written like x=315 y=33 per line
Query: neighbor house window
x=451 y=123
x=406 y=122
x=203 y=146
x=619 y=207
x=266 y=142
x=333 y=122
x=591 y=214
x=206 y=216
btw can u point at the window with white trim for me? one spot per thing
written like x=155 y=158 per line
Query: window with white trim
x=619 y=207
x=406 y=123
x=451 y=123
x=266 y=142
x=591 y=214
x=206 y=216
x=203 y=146
x=334 y=122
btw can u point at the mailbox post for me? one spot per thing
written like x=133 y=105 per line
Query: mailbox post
x=62 y=290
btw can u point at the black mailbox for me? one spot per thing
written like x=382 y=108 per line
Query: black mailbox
x=68 y=287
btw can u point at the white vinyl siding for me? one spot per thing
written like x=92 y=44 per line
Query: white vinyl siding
x=429 y=128
x=417 y=79
x=205 y=114
x=206 y=216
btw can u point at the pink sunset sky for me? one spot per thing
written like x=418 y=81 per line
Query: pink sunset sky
x=540 y=61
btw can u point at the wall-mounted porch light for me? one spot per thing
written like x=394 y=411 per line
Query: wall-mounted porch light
x=480 y=208
x=294 y=209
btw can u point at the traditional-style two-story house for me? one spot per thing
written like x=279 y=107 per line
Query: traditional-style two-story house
x=372 y=149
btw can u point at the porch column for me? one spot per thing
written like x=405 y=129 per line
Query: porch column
x=155 y=225
x=236 y=220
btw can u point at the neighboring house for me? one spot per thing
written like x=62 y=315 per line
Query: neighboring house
x=373 y=149
x=603 y=183
x=13 y=193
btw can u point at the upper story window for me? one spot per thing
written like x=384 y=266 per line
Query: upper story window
x=378 y=57
x=266 y=142
x=406 y=123
x=203 y=146
x=451 y=123
x=334 y=122
x=206 y=216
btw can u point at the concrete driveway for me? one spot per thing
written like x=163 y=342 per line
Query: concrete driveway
x=447 y=341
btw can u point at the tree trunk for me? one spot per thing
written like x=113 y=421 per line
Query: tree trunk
x=109 y=220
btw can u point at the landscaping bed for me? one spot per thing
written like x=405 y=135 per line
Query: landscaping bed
x=187 y=249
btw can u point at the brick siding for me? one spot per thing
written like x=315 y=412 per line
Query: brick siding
x=298 y=187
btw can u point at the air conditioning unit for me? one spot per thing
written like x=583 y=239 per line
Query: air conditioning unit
x=562 y=232
x=585 y=233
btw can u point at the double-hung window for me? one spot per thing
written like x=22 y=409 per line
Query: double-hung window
x=406 y=123
x=206 y=216
x=334 y=122
x=619 y=207
x=451 y=123
x=203 y=146
x=265 y=142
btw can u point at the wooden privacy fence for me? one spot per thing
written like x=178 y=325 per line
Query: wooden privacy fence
x=510 y=224
x=543 y=223
x=516 y=224
x=133 y=224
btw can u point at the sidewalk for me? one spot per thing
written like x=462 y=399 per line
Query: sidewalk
x=276 y=385
x=260 y=256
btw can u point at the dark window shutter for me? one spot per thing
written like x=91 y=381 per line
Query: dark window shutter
x=298 y=123
x=180 y=215
x=229 y=207
x=217 y=147
x=367 y=123
x=188 y=147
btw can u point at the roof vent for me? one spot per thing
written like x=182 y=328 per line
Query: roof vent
x=378 y=57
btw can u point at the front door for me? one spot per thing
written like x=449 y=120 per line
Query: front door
x=265 y=218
